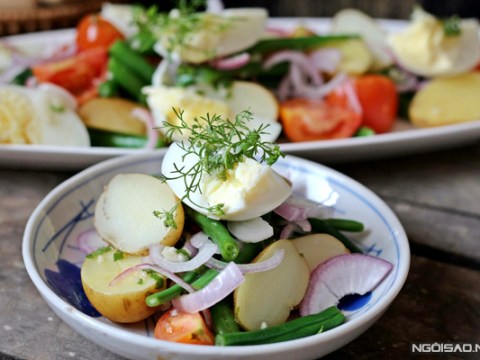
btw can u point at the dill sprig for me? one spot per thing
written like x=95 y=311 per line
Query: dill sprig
x=219 y=144
x=176 y=28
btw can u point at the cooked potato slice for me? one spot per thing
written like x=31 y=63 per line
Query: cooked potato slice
x=112 y=114
x=268 y=297
x=446 y=101
x=356 y=57
x=123 y=300
x=124 y=213
x=316 y=248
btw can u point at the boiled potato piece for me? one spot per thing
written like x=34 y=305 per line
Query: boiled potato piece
x=446 y=101
x=266 y=298
x=316 y=248
x=356 y=57
x=112 y=114
x=124 y=213
x=353 y=21
x=123 y=300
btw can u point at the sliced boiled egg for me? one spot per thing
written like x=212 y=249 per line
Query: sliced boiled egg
x=250 y=190
x=222 y=34
x=167 y=102
x=425 y=49
x=39 y=116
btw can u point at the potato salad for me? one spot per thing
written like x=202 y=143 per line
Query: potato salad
x=126 y=68
x=218 y=248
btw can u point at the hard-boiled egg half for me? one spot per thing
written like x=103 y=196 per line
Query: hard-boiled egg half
x=43 y=115
x=166 y=102
x=251 y=189
x=425 y=47
x=219 y=34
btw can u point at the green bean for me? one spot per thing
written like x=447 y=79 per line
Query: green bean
x=113 y=139
x=192 y=277
x=223 y=318
x=321 y=226
x=219 y=234
x=345 y=225
x=296 y=43
x=295 y=329
x=127 y=80
x=136 y=63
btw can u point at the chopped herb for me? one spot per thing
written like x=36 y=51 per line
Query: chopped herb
x=451 y=26
x=184 y=253
x=140 y=281
x=159 y=281
x=98 y=252
x=57 y=108
x=118 y=255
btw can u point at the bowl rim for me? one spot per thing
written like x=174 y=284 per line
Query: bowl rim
x=64 y=309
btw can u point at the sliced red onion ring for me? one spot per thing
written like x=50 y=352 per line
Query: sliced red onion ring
x=216 y=290
x=300 y=208
x=342 y=275
x=265 y=265
x=169 y=275
x=204 y=254
x=231 y=63
x=352 y=97
x=251 y=231
x=89 y=241
x=326 y=59
x=287 y=231
x=298 y=59
x=147 y=118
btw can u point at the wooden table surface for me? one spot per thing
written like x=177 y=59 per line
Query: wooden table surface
x=435 y=195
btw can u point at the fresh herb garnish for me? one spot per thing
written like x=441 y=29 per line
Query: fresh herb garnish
x=118 y=255
x=177 y=28
x=58 y=108
x=451 y=26
x=219 y=144
x=98 y=252
x=155 y=276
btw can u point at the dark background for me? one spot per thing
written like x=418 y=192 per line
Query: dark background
x=394 y=9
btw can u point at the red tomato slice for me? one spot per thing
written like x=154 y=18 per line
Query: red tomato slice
x=379 y=99
x=94 y=31
x=308 y=120
x=183 y=327
x=79 y=74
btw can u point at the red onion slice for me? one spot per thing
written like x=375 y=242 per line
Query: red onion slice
x=342 y=275
x=169 y=275
x=216 y=290
x=148 y=120
x=89 y=241
x=260 y=266
x=203 y=255
x=231 y=63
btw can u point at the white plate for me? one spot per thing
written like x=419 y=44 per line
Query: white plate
x=52 y=257
x=403 y=140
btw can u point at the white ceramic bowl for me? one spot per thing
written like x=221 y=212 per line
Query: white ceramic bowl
x=52 y=259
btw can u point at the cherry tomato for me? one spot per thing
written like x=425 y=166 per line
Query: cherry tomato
x=79 y=74
x=94 y=31
x=183 y=327
x=379 y=100
x=308 y=120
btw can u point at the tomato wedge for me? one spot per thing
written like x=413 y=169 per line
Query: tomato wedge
x=79 y=74
x=183 y=327
x=378 y=99
x=94 y=31
x=309 y=120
